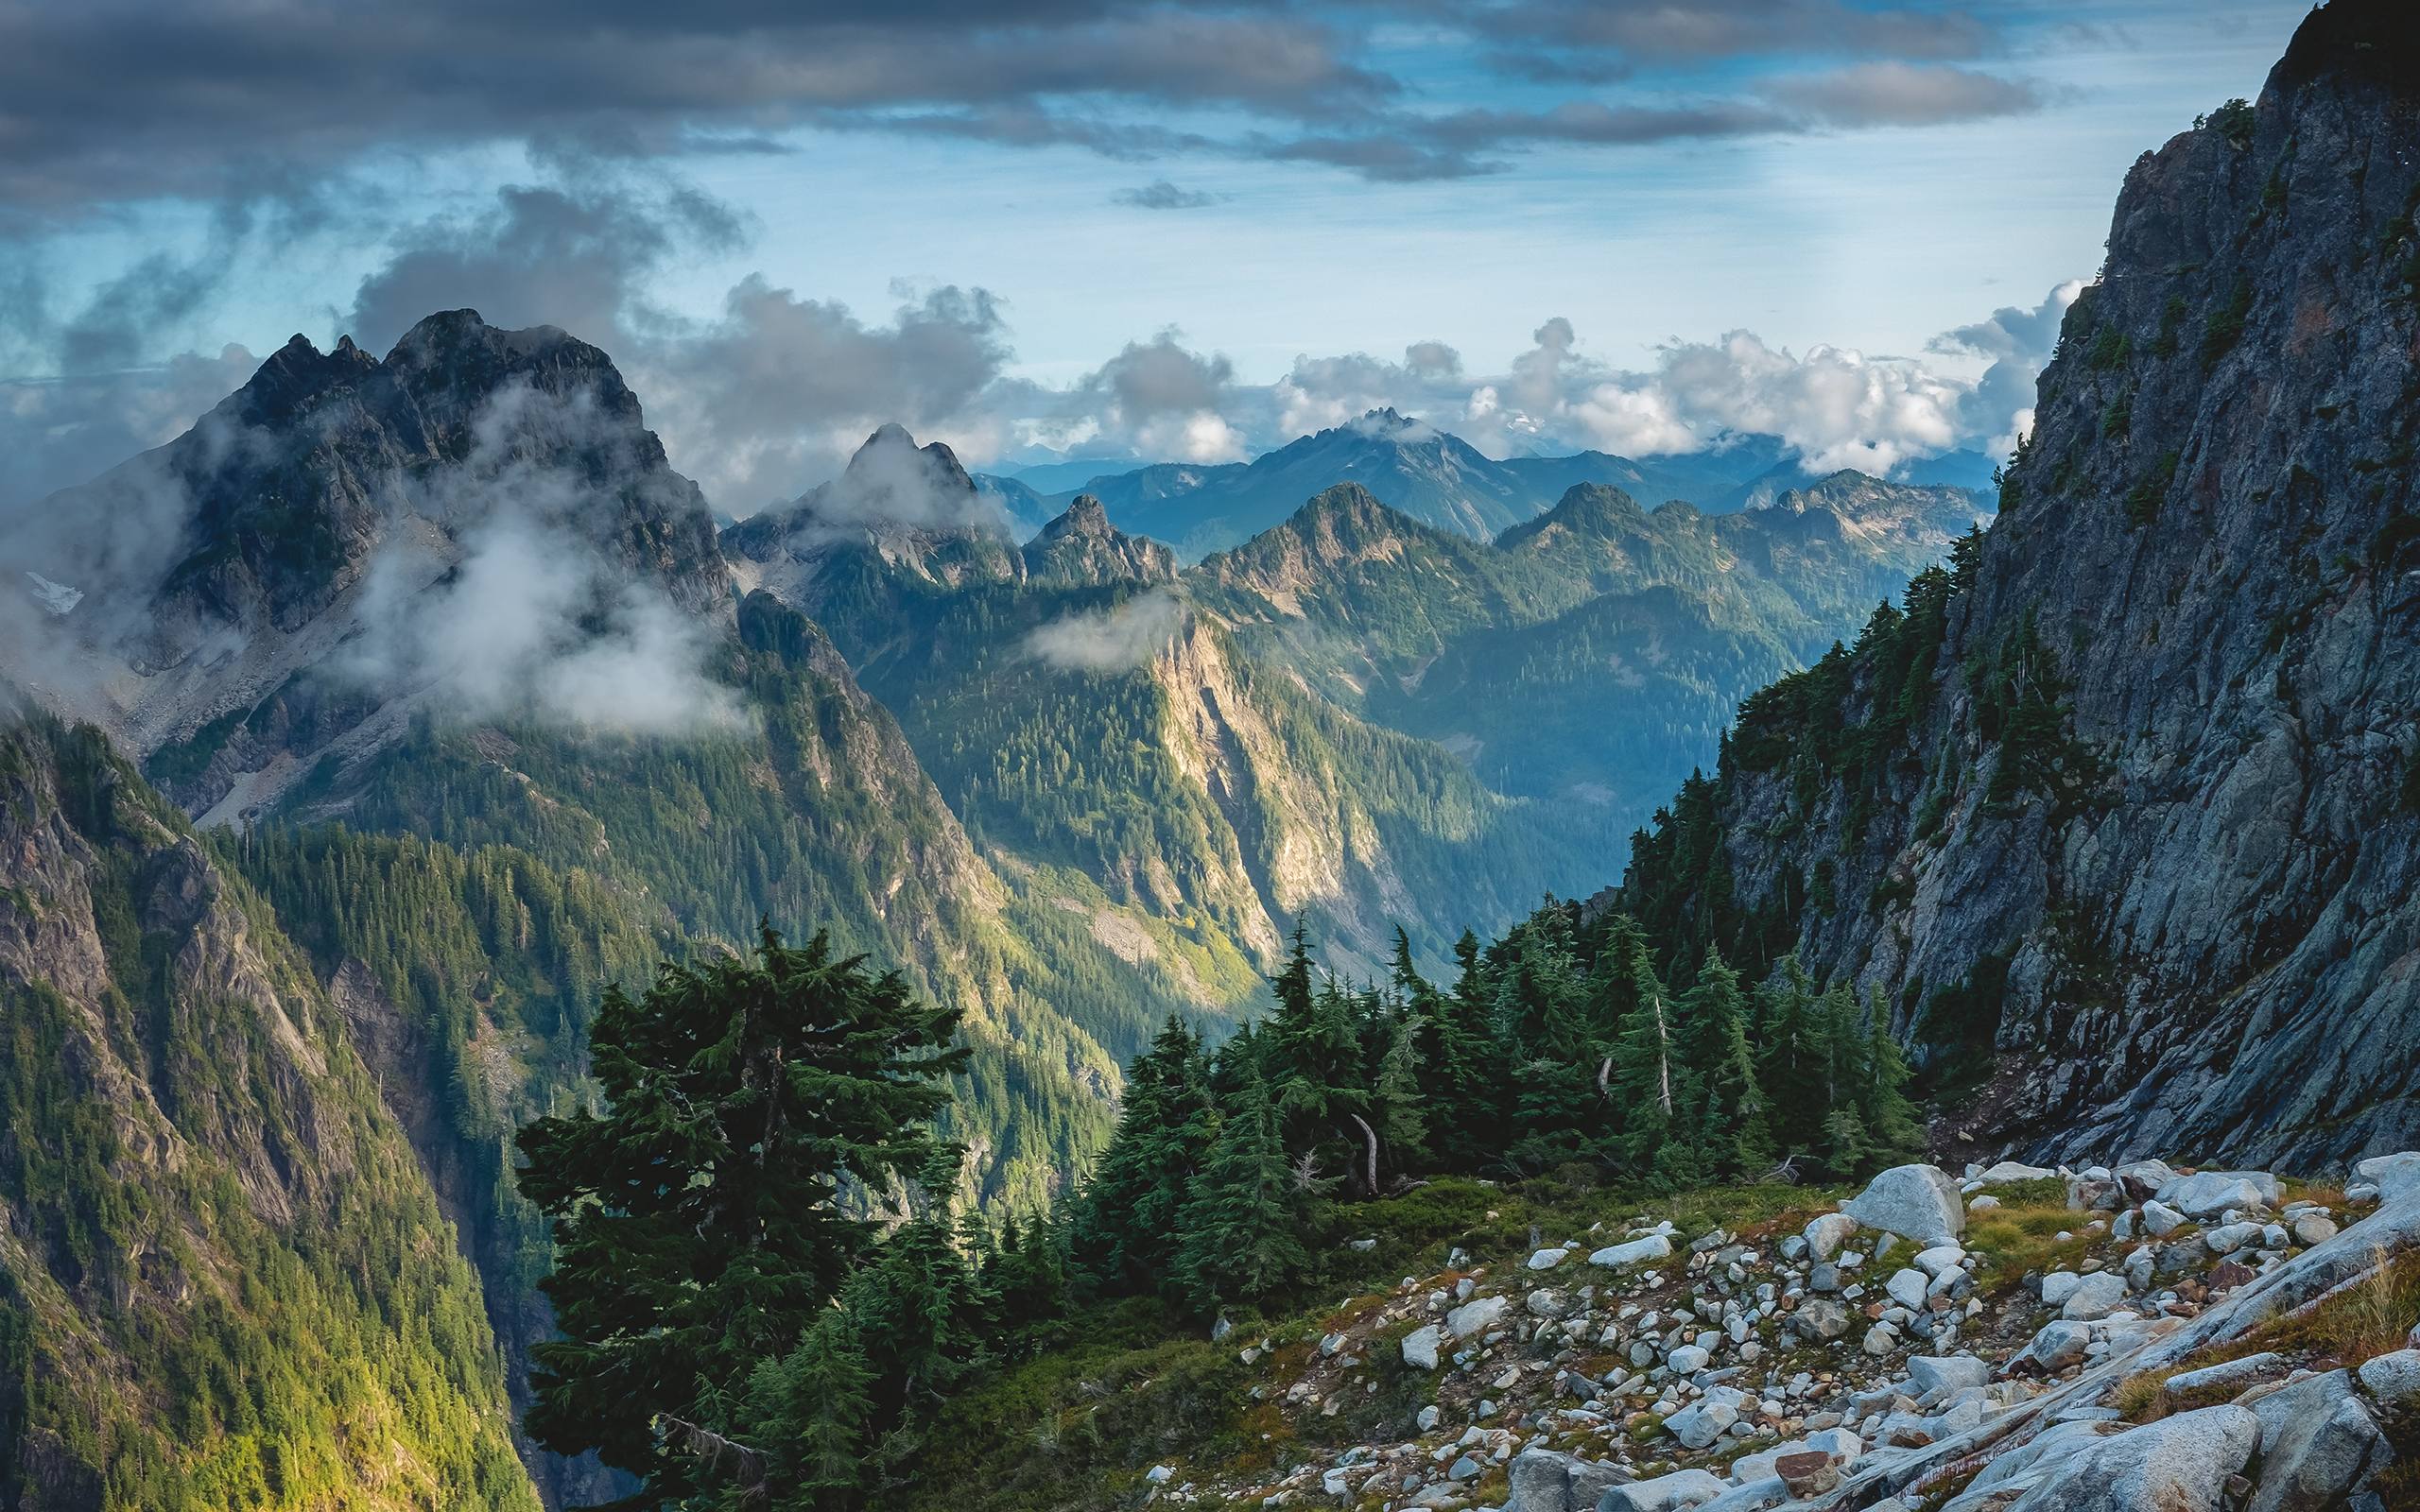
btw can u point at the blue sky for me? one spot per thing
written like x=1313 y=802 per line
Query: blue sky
x=739 y=207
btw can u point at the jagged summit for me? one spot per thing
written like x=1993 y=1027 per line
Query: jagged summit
x=1081 y=546
x=1085 y=517
x=333 y=489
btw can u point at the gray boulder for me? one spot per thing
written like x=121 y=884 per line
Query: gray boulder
x=1475 y=1316
x=1699 y=1425
x=2142 y=1179
x=1752 y=1494
x=1544 y=1481
x=2317 y=1441
x=1821 y=1318
x=2160 y=1219
x=2179 y=1464
x=1664 y=1493
x=2394 y=1380
x=2208 y=1194
x=2008 y=1172
x=2098 y=1295
x=1636 y=1252
x=1946 y=1373
x=1420 y=1346
x=2237 y=1373
x=2058 y=1345
x=2394 y=1175
x=1919 y=1202
x=1826 y=1234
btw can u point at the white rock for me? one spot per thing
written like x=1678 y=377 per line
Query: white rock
x=1826 y=1234
x=1906 y=1288
x=1675 y=1492
x=1699 y=1425
x=1420 y=1348
x=2008 y=1172
x=2394 y=1380
x=2209 y=1194
x=1940 y=1259
x=1946 y=1373
x=2232 y=1373
x=1918 y=1202
x=2397 y=1177
x=2159 y=1218
x=1546 y=1259
x=2101 y=1293
x=2179 y=1464
x=1636 y=1252
x=1475 y=1316
x=2058 y=1286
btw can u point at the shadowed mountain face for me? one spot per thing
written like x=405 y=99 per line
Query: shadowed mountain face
x=483 y=509
x=2125 y=807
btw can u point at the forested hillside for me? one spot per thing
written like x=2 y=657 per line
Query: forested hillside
x=1614 y=640
x=228 y=1280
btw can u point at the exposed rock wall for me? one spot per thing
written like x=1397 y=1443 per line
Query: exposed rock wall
x=2198 y=621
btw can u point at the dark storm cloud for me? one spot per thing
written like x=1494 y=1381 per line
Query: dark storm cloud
x=567 y=254
x=115 y=100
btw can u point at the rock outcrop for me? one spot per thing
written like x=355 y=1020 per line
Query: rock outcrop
x=2128 y=809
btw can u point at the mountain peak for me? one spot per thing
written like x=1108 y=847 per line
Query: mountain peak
x=1081 y=546
x=1085 y=517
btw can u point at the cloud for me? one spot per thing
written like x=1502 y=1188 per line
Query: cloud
x=531 y=622
x=112 y=101
x=573 y=253
x=2020 y=342
x=1834 y=405
x=515 y=612
x=116 y=102
x=778 y=390
x=1112 y=639
x=1898 y=93
x=1161 y=195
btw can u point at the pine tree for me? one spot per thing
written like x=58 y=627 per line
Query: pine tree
x=1463 y=1062
x=814 y=1405
x=1791 y=1061
x=1242 y=1229
x=1649 y=1082
x=1734 y=1131
x=1890 y=1118
x=1126 y=1220
x=1313 y=1066
x=698 y=1224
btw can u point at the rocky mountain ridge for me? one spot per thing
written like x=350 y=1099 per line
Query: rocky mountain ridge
x=1431 y=475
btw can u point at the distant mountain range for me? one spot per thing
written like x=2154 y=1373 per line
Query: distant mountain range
x=1432 y=475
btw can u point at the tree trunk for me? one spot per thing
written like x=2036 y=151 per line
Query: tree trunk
x=1369 y=1139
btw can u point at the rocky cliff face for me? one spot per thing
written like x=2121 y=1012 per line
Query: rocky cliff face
x=2134 y=810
